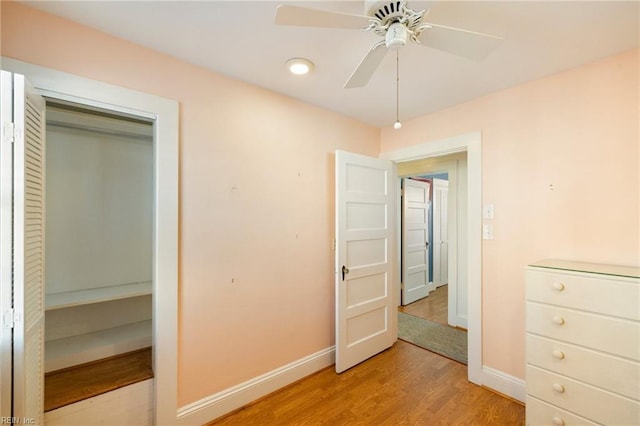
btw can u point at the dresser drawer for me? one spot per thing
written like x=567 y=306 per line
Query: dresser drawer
x=607 y=334
x=618 y=297
x=539 y=413
x=608 y=372
x=593 y=403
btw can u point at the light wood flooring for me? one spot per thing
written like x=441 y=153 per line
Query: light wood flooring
x=405 y=385
x=432 y=308
x=73 y=384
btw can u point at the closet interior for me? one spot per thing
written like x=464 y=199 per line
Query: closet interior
x=98 y=249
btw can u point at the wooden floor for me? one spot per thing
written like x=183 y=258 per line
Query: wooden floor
x=432 y=308
x=405 y=385
x=64 y=387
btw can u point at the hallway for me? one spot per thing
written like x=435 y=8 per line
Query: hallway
x=432 y=308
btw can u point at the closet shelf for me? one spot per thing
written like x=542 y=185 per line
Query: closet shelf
x=96 y=295
x=79 y=349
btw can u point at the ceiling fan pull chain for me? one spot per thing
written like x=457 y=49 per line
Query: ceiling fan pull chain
x=397 y=125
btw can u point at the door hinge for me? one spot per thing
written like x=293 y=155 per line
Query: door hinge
x=8 y=133
x=9 y=318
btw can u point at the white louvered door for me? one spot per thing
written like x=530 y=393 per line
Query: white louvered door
x=28 y=251
x=6 y=230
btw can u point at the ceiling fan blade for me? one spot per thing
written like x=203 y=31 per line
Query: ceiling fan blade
x=469 y=44
x=367 y=66
x=305 y=17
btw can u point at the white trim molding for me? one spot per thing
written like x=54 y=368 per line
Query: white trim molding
x=504 y=383
x=221 y=403
x=472 y=144
x=165 y=116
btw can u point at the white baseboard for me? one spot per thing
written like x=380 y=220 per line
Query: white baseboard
x=504 y=383
x=218 y=404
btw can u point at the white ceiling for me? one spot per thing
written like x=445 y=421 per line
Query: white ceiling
x=239 y=39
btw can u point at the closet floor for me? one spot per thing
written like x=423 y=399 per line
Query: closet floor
x=73 y=384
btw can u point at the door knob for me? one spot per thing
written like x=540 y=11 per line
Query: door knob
x=345 y=271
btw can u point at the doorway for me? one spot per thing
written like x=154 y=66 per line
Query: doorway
x=439 y=318
x=98 y=252
x=472 y=144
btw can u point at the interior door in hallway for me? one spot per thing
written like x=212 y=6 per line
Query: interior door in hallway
x=366 y=316
x=415 y=245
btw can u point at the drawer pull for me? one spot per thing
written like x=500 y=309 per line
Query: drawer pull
x=558 y=354
x=558 y=387
x=558 y=320
x=558 y=286
x=558 y=421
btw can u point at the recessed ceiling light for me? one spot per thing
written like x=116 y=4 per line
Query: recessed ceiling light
x=299 y=66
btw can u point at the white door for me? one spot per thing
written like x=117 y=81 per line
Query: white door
x=415 y=245
x=366 y=316
x=440 y=232
x=6 y=244
x=28 y=249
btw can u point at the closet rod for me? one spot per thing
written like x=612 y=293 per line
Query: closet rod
x=90 y=129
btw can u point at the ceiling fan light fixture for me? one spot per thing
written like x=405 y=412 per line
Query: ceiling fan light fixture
x=396 y=36
x=299 y=66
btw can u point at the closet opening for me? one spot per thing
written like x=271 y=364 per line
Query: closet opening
x=99 y=177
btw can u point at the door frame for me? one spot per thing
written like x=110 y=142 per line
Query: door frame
x=164 y=113
x=6 y=254
x=472 y=144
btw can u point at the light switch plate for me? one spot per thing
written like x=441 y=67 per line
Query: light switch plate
x=488 y=211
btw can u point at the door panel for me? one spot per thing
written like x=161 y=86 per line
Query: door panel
x=28 y=255
x=366 y=321
x=415 y=246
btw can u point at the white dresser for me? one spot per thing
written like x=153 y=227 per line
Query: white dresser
x=583 y=344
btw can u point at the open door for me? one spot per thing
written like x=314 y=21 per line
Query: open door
x=25 y=133
x=415 y=240
x=366 y=316
x=6 y=243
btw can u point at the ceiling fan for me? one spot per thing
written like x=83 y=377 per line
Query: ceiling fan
x=398 y=24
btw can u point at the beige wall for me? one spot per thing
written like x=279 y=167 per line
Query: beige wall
x=256 y=201
x=577 y=131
